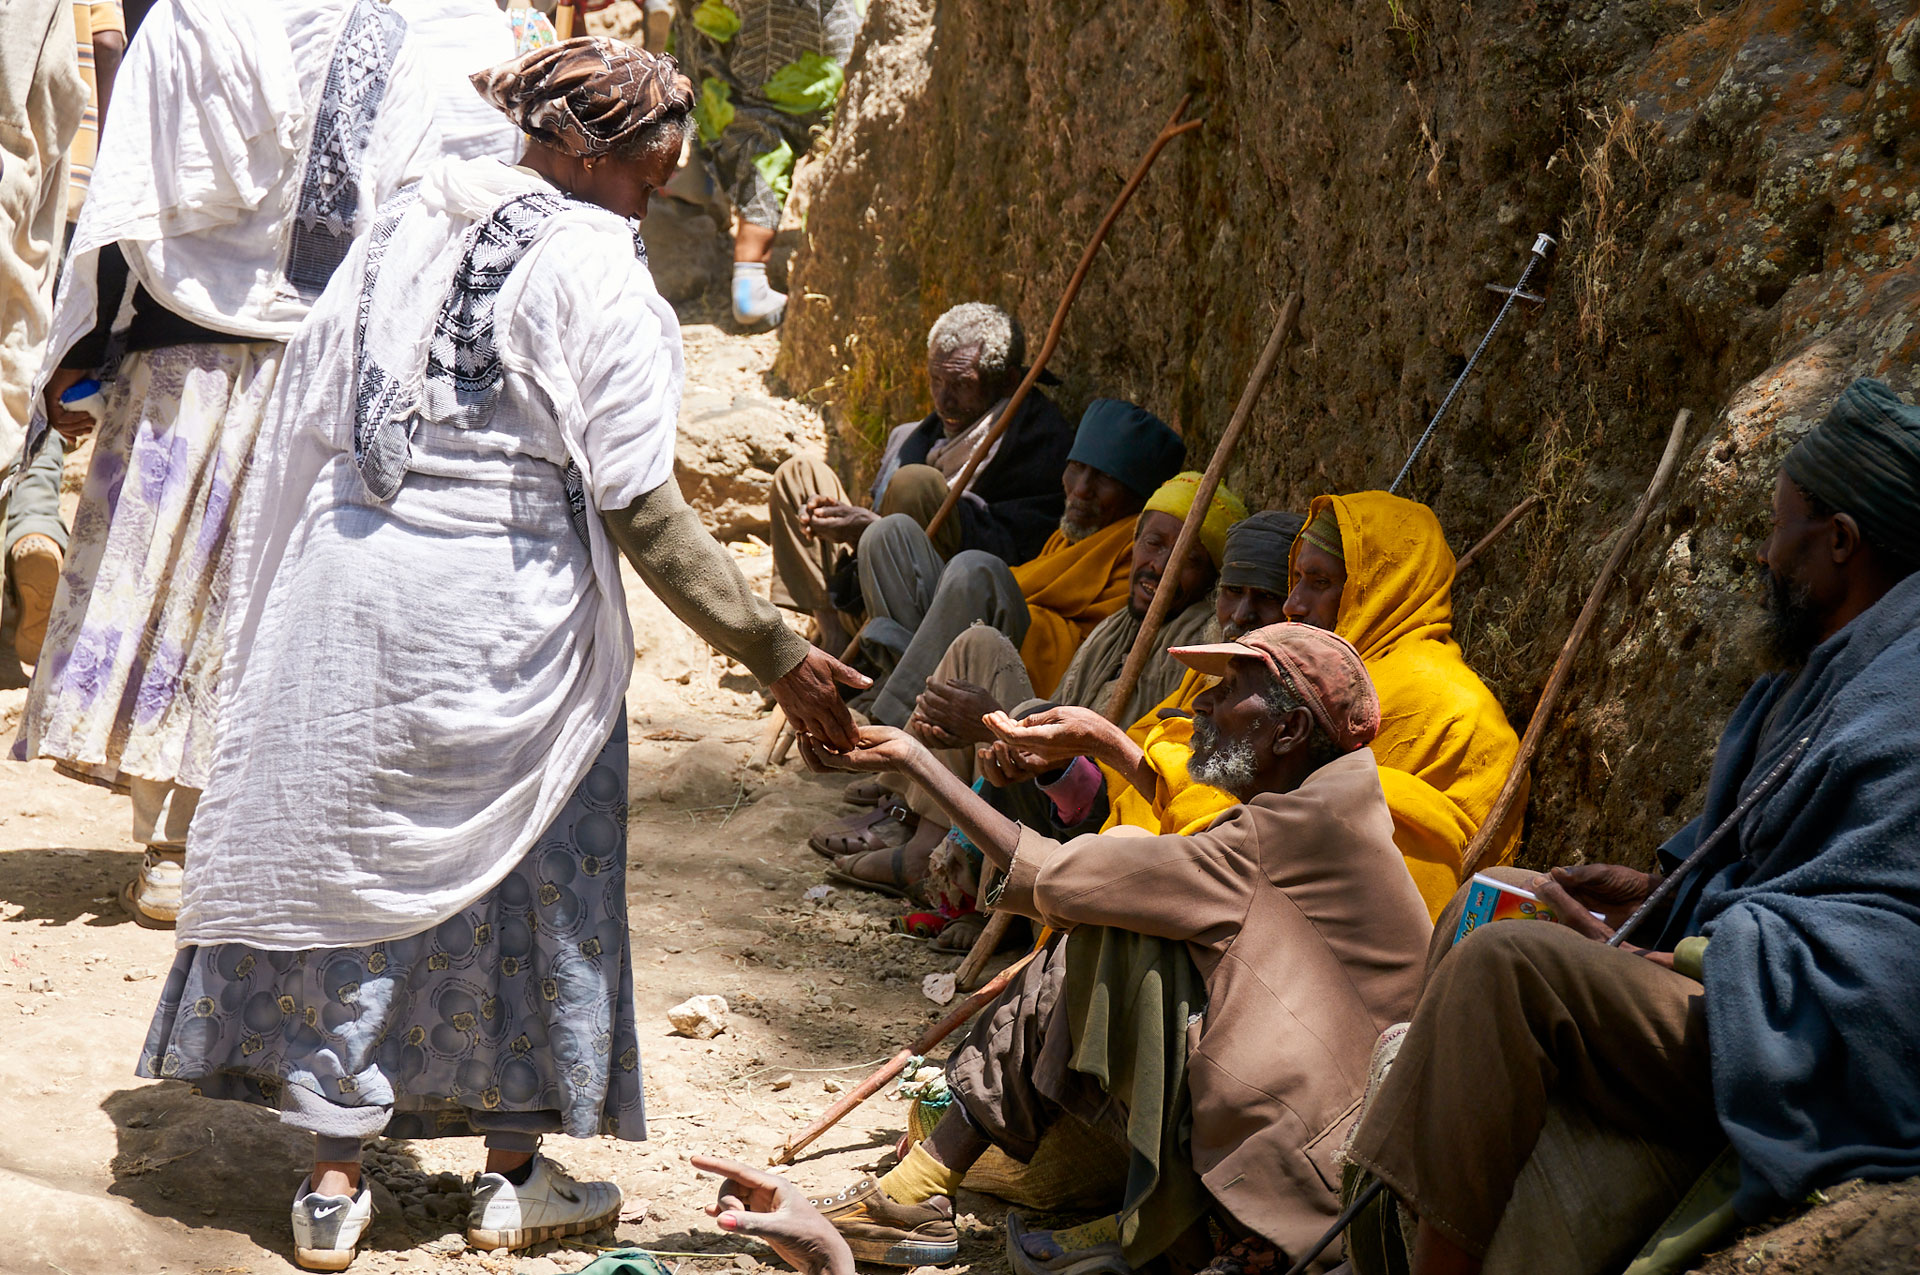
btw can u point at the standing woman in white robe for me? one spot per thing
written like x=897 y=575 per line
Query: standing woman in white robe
x=405 y=902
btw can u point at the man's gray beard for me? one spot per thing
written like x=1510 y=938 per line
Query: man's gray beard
x=1075 y=532
x=1233 y=770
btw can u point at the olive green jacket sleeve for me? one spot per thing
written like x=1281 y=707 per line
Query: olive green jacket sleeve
x=698 y=580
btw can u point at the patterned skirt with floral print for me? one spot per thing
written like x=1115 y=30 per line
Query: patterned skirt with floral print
x=129 y=676
x=521 y=1003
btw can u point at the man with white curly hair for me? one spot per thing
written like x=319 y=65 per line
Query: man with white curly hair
x=976 y=355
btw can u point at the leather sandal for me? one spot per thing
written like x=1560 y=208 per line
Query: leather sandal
x=880 y=1230
x=882 y=828
x=867 y=791
x=897 y=887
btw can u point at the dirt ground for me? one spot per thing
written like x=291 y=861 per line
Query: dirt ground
x=102 y=1171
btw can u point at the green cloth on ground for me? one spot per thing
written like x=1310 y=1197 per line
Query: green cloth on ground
x=805 y=86
x=1128 y=1000
x=623 y=1261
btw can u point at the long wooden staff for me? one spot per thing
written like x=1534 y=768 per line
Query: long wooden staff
x=1482 y=844
x=1144 y=641
x=777 y=754
x=878 y=1080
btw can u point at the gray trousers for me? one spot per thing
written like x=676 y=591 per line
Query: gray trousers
x=34 y=508
x=919 y=604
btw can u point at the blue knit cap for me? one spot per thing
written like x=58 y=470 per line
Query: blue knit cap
x=1128 y=443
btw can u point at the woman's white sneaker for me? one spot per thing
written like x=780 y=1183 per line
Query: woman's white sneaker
x=327 y=1228
x=550 y=1206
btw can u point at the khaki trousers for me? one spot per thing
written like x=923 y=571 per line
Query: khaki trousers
x=801 y=566
x=1523 y=1012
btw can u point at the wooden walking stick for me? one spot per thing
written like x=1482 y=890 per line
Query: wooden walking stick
x=1514 y=515
x=956 y=489
x=1482 y=844
x=878 y=1080
x=1143 y=642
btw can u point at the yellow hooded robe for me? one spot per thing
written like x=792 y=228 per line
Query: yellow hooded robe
x=1445 y=746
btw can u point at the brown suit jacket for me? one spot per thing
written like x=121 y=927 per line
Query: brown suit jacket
x=1312 y=939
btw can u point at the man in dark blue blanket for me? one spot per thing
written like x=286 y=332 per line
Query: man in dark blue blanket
x=1777 y=1006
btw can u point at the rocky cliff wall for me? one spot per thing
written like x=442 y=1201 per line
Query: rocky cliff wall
x=1733 y=184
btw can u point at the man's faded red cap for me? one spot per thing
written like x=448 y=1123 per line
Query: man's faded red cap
x=1322 y=666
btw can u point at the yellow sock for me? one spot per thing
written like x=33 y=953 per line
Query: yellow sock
x=919 y=1178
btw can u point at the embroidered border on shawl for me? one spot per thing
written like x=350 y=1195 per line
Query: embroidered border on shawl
x=329 y=205
x=464 y=372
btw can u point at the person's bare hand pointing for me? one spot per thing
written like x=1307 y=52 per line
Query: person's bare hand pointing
x=768 y=1207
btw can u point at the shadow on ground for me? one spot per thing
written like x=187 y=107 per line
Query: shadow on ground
x=62 y=884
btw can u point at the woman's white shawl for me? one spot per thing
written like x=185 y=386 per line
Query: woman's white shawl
x=382 y=764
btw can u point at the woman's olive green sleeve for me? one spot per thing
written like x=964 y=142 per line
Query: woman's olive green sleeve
x=698 y=580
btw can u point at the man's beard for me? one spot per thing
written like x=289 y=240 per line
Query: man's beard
x=1233 y=769
x=1791 y=626
x=1077 y=524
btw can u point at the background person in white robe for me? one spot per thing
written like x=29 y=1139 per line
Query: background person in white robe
x=405 y=897
x=247 y=145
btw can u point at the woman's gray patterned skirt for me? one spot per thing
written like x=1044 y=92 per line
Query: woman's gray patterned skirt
x=515 y=1014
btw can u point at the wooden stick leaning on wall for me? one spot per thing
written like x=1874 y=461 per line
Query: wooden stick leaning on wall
x=1175 y=126
x=1143 y=642
x=874 y=1083
x=1485 y=542
x=1481 y=846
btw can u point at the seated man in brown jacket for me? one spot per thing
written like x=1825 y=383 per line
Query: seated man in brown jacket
x=1285 y=937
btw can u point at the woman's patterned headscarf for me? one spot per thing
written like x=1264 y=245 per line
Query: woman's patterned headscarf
x=589 y=96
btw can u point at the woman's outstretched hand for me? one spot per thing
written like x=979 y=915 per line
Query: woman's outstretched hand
x=809 y=693
x=768 y=1207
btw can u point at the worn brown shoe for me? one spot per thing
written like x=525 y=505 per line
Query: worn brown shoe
x=879 y=1230
x=34 y=567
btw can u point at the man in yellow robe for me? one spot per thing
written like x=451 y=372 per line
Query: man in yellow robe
x=1375 y=569
x=918 y=603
